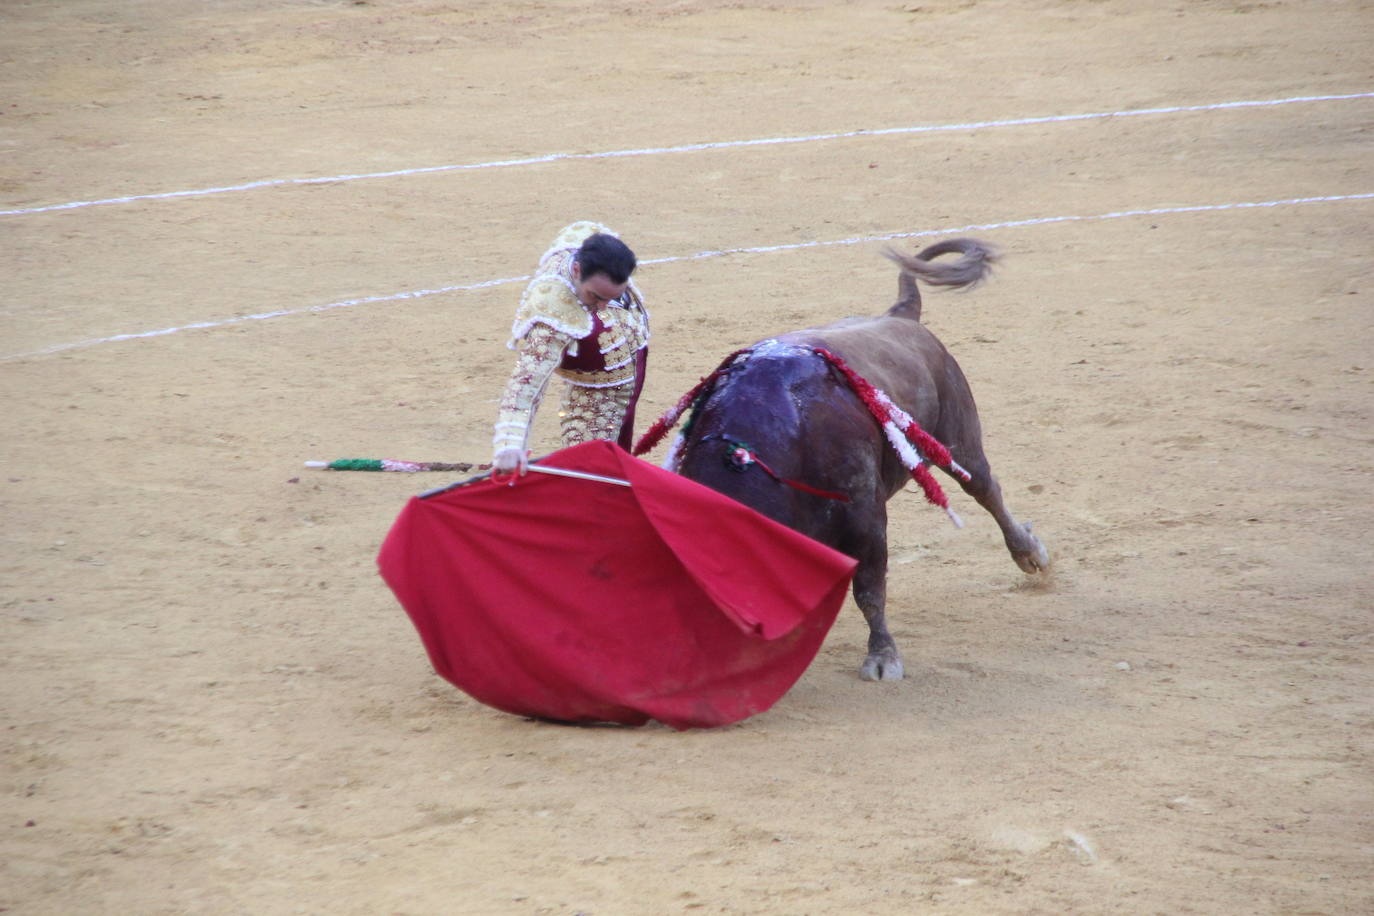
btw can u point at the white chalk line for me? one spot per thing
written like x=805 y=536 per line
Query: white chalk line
x=1015 y=224
x=695 y=147
x=764 y=249
x=263 y=316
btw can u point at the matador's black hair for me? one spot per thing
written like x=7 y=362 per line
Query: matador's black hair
x=606 y=254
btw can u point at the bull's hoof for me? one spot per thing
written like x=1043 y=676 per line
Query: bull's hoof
x=1031 y=556
x=882 y=666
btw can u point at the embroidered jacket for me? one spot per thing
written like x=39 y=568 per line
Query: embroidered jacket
x=553 y=333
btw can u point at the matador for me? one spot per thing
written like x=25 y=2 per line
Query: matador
x=581 y=318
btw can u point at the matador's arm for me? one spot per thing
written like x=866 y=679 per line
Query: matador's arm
x=539 y=355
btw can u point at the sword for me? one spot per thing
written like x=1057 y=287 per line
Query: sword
x=533 y=466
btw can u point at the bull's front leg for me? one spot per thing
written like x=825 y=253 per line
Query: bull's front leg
x=884 y=662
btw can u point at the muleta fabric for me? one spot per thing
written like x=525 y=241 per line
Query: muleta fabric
x=574 y=600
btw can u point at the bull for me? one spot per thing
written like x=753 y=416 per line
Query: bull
x=779 y=406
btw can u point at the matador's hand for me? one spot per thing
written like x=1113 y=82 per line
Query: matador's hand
x=510 y=460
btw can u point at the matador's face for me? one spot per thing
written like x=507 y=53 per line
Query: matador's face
x=596 y=290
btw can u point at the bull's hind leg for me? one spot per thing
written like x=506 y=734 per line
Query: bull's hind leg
x=1024 y=546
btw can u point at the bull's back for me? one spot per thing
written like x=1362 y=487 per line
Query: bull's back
x=801 y=421
x=897 y=355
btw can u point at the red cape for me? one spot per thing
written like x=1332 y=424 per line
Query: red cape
x=585 y=601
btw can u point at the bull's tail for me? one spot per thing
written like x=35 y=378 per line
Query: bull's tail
x=974 y=265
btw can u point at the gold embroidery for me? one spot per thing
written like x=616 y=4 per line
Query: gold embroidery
x=549 y=300
x=593 y=413
x=626 y=332
x=599 y=379
x=534 y=365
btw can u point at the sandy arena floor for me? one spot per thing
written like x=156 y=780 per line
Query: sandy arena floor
x=212 y=704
